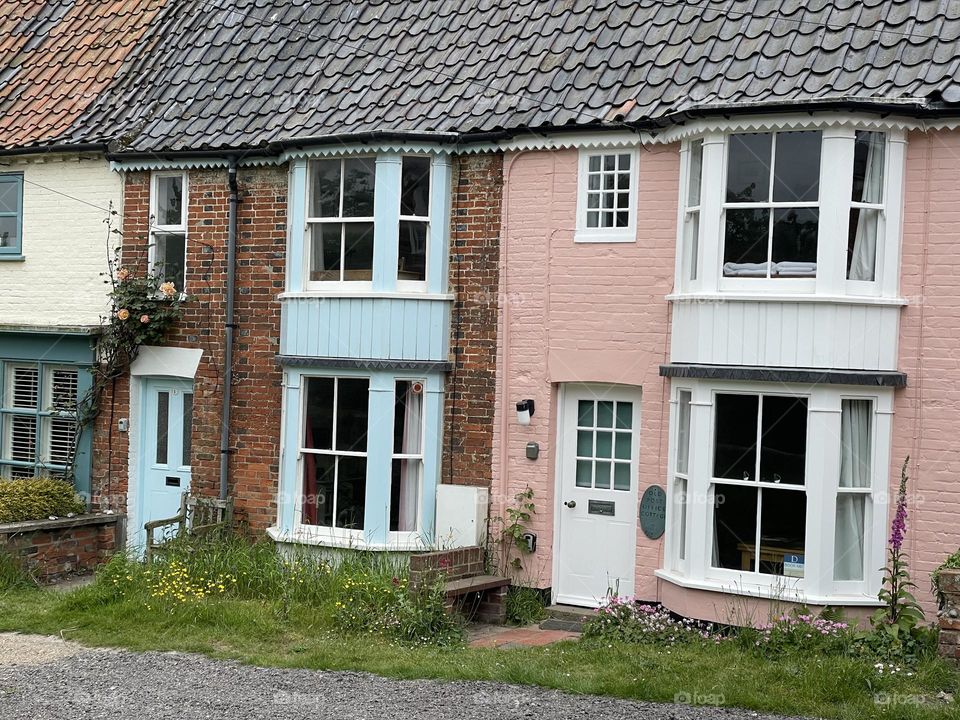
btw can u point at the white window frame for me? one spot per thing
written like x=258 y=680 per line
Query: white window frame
x=822 y=461
x=678 y=509
x=584 y=234
x=311 y=220
x=163 y=229
x=42 y=415
x=415 y=285
x=835 y=202
x=773 y=283
x=324 y=532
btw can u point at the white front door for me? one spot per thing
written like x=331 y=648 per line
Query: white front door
x=596 y=535
x=166 y=445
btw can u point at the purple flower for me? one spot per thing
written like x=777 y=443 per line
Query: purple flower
x=899 y=527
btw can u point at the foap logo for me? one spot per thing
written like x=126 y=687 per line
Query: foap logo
x=696 y=698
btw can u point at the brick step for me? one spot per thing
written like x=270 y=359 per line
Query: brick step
x=478 y=583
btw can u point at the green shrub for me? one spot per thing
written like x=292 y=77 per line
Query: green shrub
x=951 y=563
x=525 y=605
x=361 y=593
x=37 y=499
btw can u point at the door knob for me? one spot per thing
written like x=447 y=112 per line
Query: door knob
x=571 y=503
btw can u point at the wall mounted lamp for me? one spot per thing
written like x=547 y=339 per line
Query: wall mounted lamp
x=525 y=409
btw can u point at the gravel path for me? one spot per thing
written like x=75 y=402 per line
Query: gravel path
x=47 y=679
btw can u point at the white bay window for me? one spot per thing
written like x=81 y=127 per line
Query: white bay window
x=800 y=210
x=778 y=489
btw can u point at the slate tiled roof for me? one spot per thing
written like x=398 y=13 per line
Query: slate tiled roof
x=56 y=57
x=215 y=74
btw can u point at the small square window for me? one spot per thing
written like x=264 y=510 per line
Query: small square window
x=605 y=207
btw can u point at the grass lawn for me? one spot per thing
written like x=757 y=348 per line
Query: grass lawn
x=296 y=634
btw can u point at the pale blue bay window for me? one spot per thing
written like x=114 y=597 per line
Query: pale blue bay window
x=364 y=343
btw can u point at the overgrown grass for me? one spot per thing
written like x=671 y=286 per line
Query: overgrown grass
x=13 y=576
x=286 y=614
x=525 y=605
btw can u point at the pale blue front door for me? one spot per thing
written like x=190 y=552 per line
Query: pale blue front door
x=166 y=447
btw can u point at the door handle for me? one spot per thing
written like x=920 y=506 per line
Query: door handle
x=571 y=503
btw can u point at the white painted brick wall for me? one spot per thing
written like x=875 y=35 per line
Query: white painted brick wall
x=64 y=242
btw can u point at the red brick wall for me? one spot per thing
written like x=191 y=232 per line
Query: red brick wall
x=255 y=424
x=475 y=277
x=52 y=550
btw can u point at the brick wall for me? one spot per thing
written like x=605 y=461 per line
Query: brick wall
x=255 y=423
x=52 y=550
x=474 y=277
x=949 y=584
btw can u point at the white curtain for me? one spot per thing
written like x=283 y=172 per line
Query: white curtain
x=864 y=258
x=855 y=467
x=410 y=469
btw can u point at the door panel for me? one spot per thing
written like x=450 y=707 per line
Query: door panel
x=597 y=485
x=165 y=461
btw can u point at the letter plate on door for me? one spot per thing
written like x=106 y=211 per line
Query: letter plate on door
x=601 y=507
x=173 y=481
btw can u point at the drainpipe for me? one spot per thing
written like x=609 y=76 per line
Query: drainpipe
x=229 y=328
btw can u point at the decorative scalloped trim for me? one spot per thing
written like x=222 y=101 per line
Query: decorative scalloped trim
x=342 y=149
x=189 y=163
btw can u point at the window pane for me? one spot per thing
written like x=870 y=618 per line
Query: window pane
x=59 y=435
x=170 y=200
x=351 y=492
x=584 y=443
x=623 y=161
x=584 y=473
x=594 y=163
x=691 y=243
x=325 y=251
x=621 y=476
x=748 y=167
x=783 y=440
x=412 y=257
x=352 y=414
x=604 y=444
x=326 y=189
x=585 y=413
x=187 y=428
x=319 y=475
x=683 y=430
x=745 y=243
x=602 y=479
x=404 y=495
x=318 y=423
x=735 y=446
x=868 y=162
x=696 y=170
x=605 y=414
x=24 y=387
x=415 y=187
x=796 y=175
x=358 y=251
x=170 y=257
x=9 y=231
x=734 y=527
x=681 y=505
x=623 y=444
x=358 y=183
x=61 y=392
x=624 y=416
x=848 y=541
x=795 y=242
x=407 y=418
x=9 y=194
x=862 y=238
x=163 y=421
x=783 y=526
x=856 y=443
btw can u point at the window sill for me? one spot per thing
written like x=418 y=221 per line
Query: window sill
x=12 y=258
x=620 y=236
x=708 y=297
x=300 y=537
x=750 y=589
x=390 y=295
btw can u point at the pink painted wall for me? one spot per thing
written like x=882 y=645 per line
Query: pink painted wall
x=927 y=413
x=580 y=313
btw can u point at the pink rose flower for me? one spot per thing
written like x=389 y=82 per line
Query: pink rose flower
x=144 y=319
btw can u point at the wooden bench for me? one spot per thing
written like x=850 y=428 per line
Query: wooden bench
x=490 y=601
x=199 y=516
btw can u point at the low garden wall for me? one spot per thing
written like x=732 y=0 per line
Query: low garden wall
x=52 y=550
x=452 y=564
x=949 y=585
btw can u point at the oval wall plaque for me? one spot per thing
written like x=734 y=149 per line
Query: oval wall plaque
x=653 y=512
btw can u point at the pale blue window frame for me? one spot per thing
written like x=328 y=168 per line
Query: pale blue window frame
x=16 y=248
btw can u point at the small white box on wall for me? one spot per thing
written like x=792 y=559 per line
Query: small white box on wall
x=461 y=515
